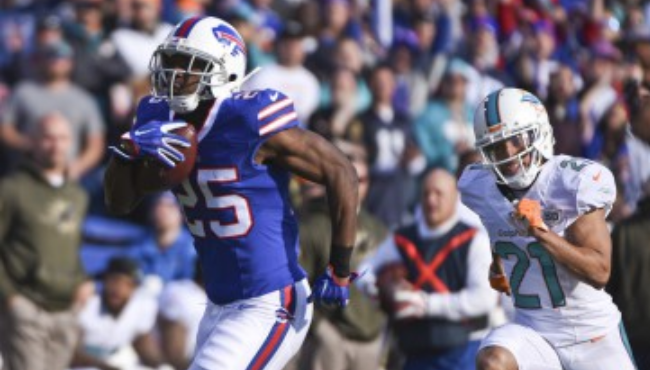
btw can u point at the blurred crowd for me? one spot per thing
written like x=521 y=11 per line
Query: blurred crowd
x=393 y=83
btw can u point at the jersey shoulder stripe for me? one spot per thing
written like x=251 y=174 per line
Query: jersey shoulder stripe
x=266 y=111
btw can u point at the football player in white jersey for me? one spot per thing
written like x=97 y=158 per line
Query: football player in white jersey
x=545 y=215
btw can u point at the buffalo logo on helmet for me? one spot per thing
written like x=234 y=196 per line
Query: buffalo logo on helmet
x=227 y=36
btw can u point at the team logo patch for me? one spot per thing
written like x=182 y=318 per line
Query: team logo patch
x=227 y=36
x=552 y=217
x=530 y=98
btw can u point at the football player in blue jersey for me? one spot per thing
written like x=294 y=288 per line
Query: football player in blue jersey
x=235 y=199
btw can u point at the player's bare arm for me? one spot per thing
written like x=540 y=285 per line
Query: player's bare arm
x=121 y=193
x=498 y=278
x=309 y=155
x=586 y=250
x=128 y=177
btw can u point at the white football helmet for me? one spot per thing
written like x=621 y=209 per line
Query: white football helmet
x=517 y=116
x=213 y=42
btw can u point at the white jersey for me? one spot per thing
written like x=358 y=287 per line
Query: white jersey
x=547 y=296
x=104 y=334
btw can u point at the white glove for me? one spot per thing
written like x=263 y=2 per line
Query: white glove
x=410 y=304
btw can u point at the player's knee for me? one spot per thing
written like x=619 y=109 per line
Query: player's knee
x=495 y=358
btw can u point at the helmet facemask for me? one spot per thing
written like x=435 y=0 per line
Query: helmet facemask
x=201 y=70
x=527 y=142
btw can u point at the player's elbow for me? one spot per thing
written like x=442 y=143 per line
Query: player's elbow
x=599 y=278
x=347 y=178
x=352 y=180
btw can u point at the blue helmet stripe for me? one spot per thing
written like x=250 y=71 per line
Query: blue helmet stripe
x=492 y=109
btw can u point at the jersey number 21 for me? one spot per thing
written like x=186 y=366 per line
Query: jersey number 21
x=549 y=272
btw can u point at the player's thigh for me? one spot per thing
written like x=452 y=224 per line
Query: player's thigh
x=609 y=352
x=255 y=333
x=529 y=349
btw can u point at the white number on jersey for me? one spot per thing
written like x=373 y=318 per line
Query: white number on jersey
x=235 y=202
x=535 y=250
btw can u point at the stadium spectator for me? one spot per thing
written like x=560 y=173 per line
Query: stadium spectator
x=599 y=93
x=350 y=338
x=630 y=277
x=564 y=110
x=431 y=279
x=347 y=54
x=42 y=281
x=333 y=121
x=136 y=43
x=638 y=138
x=444 y=129
x=182 y=303
x=393 y=156
x=55 y=92
x=289 y=74
x=97 y=64
x=337 y=22
x=117 y=324
x=167 y=254
x=20 y=63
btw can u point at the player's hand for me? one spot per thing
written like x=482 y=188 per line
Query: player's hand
x=498 y=278
x=530 y=212
x=154 y=139
x=410 y=304
x=331 y=289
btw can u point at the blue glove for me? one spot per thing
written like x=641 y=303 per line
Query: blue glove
x=154 y=139
x=329 y=289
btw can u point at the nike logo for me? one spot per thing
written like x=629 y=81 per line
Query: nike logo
x=142 y=132
x=596 y=177
x=274 y=96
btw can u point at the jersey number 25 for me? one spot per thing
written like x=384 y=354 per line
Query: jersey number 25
x=243 y=220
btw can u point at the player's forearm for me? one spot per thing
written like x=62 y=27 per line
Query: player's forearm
x=586 y=263
x=120 y=192
x=342 y=195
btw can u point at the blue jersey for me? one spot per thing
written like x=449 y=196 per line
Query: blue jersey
x=238 y=211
